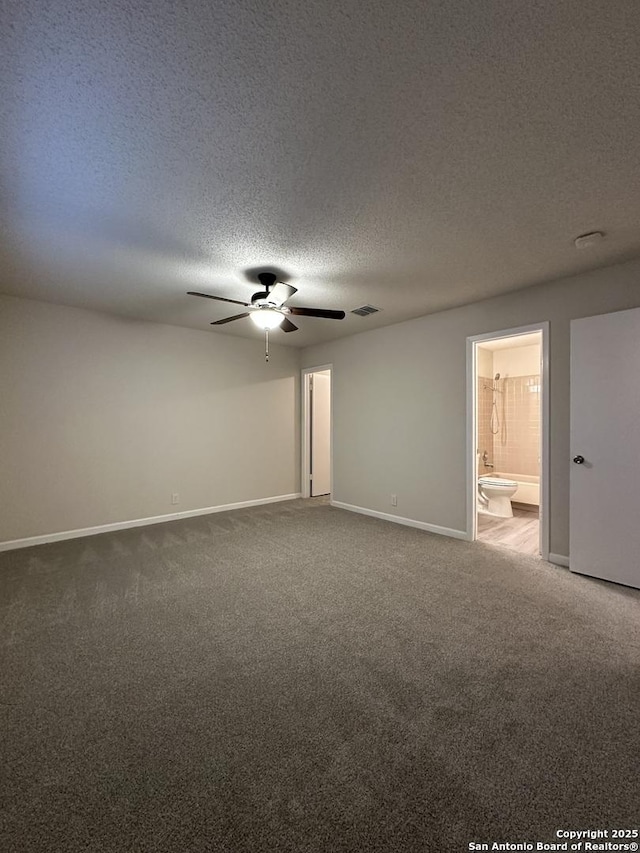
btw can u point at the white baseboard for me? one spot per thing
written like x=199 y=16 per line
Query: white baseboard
x=408 y=522
x=559 y=560
x=138 y=522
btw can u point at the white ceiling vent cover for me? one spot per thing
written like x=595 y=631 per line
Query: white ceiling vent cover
x=365 y=310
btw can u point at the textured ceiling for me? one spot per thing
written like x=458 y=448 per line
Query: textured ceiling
x=413 y=155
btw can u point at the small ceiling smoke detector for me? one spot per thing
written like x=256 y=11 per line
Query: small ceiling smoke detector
x=586 y=241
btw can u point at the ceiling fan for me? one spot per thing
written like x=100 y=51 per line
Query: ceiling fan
x=267 y=308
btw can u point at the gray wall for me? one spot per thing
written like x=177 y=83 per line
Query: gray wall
x=400 y=398
x=102 y=419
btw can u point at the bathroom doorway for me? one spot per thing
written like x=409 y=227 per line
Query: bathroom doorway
x=507 y=439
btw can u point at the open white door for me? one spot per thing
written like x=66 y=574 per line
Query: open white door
x=320 y=438
x=605 y=447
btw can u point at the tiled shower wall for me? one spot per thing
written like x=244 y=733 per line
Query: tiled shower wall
x=515 y=448
x=485 y=438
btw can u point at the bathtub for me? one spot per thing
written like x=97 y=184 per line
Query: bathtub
x=528 y=487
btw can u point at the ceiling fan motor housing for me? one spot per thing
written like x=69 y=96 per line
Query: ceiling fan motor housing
x=260 y=298
x=267 y=280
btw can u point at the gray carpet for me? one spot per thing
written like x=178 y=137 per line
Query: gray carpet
x=299 y=678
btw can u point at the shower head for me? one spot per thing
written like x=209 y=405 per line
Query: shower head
x=497 y=376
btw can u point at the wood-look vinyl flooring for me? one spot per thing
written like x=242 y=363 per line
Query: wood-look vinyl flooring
x=520 y=533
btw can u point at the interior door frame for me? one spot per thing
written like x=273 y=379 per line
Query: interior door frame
x=471 y=479
x=305 y=421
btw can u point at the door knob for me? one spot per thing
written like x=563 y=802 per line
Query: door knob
x=578 y=460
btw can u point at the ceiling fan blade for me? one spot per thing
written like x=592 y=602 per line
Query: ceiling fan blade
x=318 y=312
x=288 y=326
x=280 y=292
x=230 y=319
x=217 y=298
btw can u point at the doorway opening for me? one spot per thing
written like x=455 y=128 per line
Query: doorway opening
x=317 y=456
x=507 y=439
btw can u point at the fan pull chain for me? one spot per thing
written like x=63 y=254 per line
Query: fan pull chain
x=266 y=345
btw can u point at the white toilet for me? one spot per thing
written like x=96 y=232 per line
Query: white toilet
x=494 y=496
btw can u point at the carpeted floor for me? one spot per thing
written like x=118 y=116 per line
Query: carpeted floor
x=298 y=678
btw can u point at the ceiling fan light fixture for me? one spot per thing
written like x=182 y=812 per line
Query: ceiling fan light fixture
x=267 y=318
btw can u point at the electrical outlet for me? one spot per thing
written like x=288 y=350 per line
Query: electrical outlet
x=175 y=498
x=394 y=500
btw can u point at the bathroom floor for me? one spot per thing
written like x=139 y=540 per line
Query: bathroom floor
x=520 y=533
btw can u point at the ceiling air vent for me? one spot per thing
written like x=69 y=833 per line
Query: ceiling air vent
x=365 y=310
